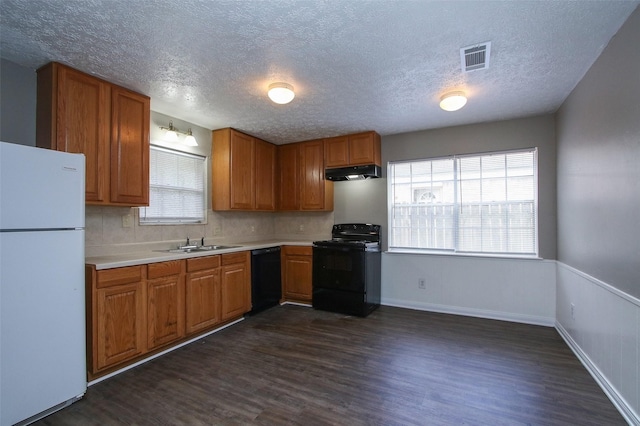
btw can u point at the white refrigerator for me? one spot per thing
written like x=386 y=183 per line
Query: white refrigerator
x=42 y=294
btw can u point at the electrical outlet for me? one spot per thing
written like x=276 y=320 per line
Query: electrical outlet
x=253 y=229
x=422 y=284
x=301 y=229
x=573 y=311
x=127 y=220
x=217 y=231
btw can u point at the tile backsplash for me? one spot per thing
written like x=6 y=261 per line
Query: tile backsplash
x=116 y=229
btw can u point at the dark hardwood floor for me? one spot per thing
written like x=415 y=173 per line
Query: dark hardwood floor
x=298 y=366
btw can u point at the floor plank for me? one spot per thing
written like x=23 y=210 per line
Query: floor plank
x=293 y=365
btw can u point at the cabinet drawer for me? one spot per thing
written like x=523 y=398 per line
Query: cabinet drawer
x=232 y=258
x=118 y=276
x=200 y=263
x=299 y=250
x=163 y=269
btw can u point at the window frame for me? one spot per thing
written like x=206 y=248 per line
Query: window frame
x=178 y=220
x=456 y=251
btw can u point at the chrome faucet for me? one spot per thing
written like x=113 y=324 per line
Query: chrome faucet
x=188 y=245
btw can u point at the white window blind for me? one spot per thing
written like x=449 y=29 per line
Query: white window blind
x=176 y=188
x=483 y=203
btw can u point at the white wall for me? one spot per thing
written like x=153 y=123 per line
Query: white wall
x=604 y=332
x=507 y=289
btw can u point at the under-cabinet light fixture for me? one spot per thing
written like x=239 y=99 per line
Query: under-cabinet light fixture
x=281 y=93
x=171 y=135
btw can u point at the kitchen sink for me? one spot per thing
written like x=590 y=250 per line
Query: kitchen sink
x=194 y=249
x=207 y=248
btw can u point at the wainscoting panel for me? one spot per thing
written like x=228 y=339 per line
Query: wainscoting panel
x=603 y=329
x=519 y=290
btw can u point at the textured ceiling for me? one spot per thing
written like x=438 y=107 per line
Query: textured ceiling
x=355 y=65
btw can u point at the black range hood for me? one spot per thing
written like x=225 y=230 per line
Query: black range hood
x=353 y=173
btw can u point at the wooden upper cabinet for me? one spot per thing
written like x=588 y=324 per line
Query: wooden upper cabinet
x=242 y=182
x=302 y=184
x=364 y=148
x=79 y=113
x=353 y=150
x=130 y=115
x=312 y=188
x=265 y=175
x=289 y=177
x=73 y=115
x=243 y=170
x=336 y=152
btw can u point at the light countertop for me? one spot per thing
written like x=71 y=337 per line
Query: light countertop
x=145 y=256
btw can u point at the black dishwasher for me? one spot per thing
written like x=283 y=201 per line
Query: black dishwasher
x=266 y=287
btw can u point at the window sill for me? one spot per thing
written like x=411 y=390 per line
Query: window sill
x=472 y=255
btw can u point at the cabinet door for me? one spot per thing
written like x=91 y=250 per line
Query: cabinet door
x=336 y=152
x=364 y=148
x=165 y=310
x=242 y=171
x=289 y=172
x=297 y=273
x=73 y=115
x=202 y=299
x=265 y=177
x=120 y=324
x=236 y=285
x=129 y=148
x=221 y=169
x=312 y=183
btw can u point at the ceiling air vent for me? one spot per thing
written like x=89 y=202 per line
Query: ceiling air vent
x=475 y=57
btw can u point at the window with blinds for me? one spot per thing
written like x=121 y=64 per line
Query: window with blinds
x=176 y=188
x=485 y=203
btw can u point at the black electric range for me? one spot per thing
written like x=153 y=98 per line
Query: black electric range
x=346 y=270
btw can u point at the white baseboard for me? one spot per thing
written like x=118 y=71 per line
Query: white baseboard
x=618 y=401
x=471 y=312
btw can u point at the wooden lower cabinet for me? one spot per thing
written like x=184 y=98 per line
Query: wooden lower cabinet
x=297 y=273
x=136 y=311
x=236 y=284
x=202 y=293
x=118 y=322
x=165 y=303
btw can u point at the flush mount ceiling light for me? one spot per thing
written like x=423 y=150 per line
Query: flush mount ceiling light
x=453 y=101
x=171 y=135
x=281 y=93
